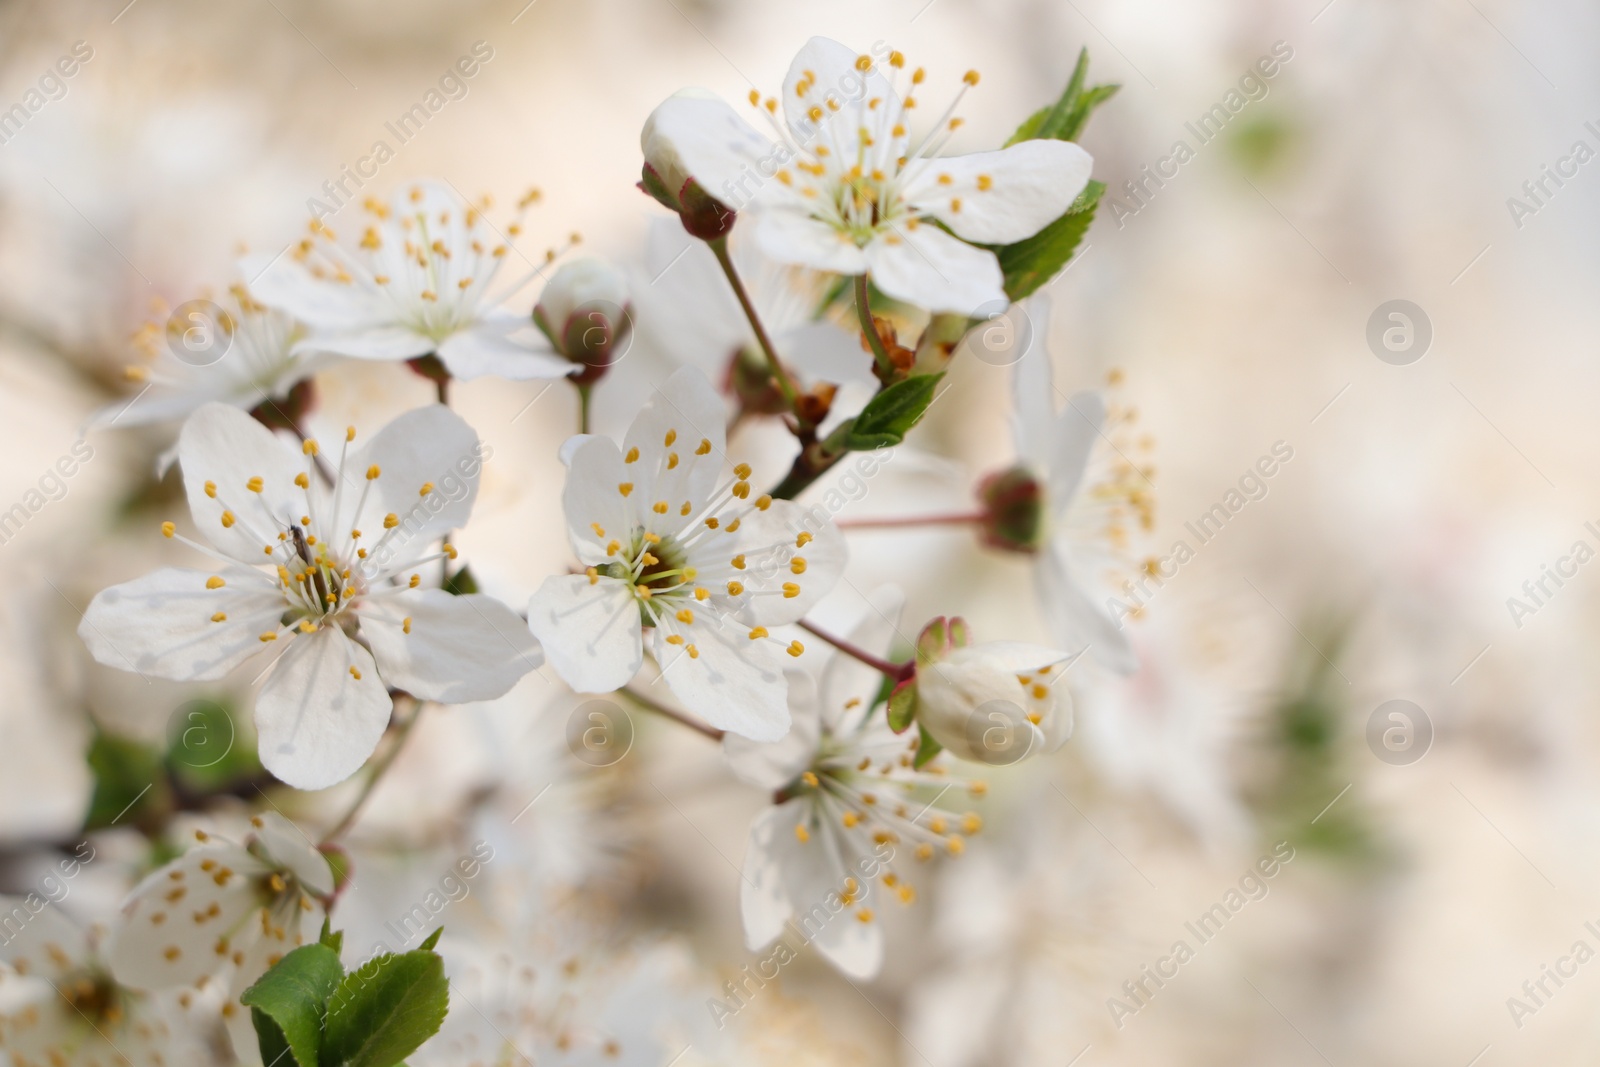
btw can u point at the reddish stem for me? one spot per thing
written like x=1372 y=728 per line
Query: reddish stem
x=956 y=519
x=898 y=671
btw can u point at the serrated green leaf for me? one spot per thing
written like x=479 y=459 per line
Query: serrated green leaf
x=1032 y=262
x=383 y=1012
x=927 y=748
x=1065 y=119
x=433 y=939
x=892 y=413
x=902 y=707
x=287 y=1004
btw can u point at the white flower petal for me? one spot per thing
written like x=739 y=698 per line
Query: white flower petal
x=590 y=631
x=459 y=648
x=764 y=892
x=773 y=766
x=162 y=624
x=289 y=847
x=680 y=437
x=846 y=678
x=281 y=282
x=823 y=350
x=1078 y=430
x=182 y=922
x=789 y=235
x=1077 y=621
x=316 y=721
x=597 y=512
x=431 y=446
x=1033 y=390
x=697 y=135
x=925 y=266
x=383 y=343
x=223 y=448
x=486 y=352
x=834 y=83
x=48 y=944
x=1003 y=196
x=769 y=542
x=732 y=682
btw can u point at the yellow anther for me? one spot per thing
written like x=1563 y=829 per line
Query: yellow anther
x=956 y=844
x=971 y=823
x=302 y=480
x=354 y=673
x=763 y=502
x=712 y=522
x=790 y=590
x=672 y=435
x=268 y=637
x=416 y=580
x=687 y=507
x=734 y=588
x=672 y=461
x=810 y=778
x=215 y=582
x=939 y=826
x=307 y=626
x=659 y=507
x=390 y=521
x=705 y=447
x=758 y=633
x=864 y=915
x=211 y=490
x=755 y=97
x=648 y=560
x=373 y=472
x=349 y=433
x=863 y=63
x=169 y=529
x=309 y=446
x=918 y=76
x=897 y=60
x=643 y=591
x=797 y=565
x=135 y=373
x=802 y=833
x=255 y=484
x=702 y=593
x=694 y=653
x=228 y=520
x=1040 y=691
x=955 y=203
x=924 y=851
x=625 y=488
x=796 y=649
x=652 y=538
x=594 y=575
x=685 y=616
x=632 y=456
x=970 y=77
x=427 y=487
x=733 y=527
x=675 y=639
x=741 y=489
x=985 y=183
x=906 y=894
x=405 y=625
x=613 y=548
x=738 y=562
x=690 y=574
x=851 y=820
x=220 y=616
x=742 y=471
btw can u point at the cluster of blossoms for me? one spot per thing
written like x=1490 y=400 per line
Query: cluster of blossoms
x=333 y=564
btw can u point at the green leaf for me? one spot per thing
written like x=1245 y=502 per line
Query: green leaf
x=130 y=784
x=927 y=748
x=383 y=1012
x=1033 y=261
x=892 y=413
x=1065 y=119
x=461 y=583
x=287 y=1004
x=433 y=939
x=333 y=939
x=902 y=707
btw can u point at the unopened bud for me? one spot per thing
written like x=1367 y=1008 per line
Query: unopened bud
x=1013 y=510
x=585 y=313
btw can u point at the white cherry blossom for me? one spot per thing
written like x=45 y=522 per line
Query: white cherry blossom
x=1085 y=504
x=838 y=182
x=61 y=1007
x=851 y=809
x=221 y=904
x=704 y=561
x=423 y=279
x=997 y=702
x=326 y=578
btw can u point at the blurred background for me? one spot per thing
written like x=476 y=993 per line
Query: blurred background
x=1424 y=151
